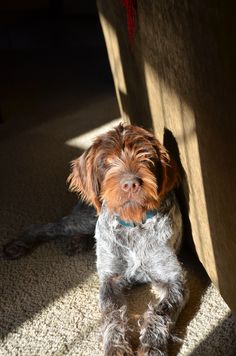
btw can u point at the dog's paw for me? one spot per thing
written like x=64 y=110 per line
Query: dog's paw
x=15 y=249
x=151 y=345
x=147 y=351
x=154 y=334
x=114 y=331
x=119 y=351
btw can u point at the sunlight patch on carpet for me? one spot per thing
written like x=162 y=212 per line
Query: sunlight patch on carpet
x=84 y=141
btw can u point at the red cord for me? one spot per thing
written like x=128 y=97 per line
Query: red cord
x=130 y=6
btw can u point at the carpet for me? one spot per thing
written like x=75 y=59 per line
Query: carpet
x=48 y=301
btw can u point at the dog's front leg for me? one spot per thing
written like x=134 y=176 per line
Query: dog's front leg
x=113 y=307
x=78 y=227
x=160 y=318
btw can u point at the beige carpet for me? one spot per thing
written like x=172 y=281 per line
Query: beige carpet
x=48 y=301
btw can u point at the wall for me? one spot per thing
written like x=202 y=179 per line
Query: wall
x=178 y=76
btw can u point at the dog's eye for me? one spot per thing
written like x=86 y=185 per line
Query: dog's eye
x=148 y=160
x=145 y=156
x=102 y=164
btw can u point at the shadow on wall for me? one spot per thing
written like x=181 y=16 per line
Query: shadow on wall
x=133 y=77
x=191 y=48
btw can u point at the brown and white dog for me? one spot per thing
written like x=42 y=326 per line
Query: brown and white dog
x=128 y=176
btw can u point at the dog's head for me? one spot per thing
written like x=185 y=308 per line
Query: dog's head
x=128 y=168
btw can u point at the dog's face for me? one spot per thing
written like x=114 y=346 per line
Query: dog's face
x=127 y=168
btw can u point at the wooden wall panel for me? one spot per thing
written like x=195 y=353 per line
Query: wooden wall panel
x=179 y=77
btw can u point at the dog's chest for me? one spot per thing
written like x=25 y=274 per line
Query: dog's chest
x=139 y=246
x=136 y=249
x=133 y=250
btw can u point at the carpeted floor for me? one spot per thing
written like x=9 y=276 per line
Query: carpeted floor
x=48 y=301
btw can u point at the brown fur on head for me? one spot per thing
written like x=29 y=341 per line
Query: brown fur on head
x=126 y=151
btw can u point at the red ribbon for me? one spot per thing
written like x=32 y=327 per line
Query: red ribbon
x=130 y=6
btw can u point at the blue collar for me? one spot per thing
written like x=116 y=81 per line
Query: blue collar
x=149 y=214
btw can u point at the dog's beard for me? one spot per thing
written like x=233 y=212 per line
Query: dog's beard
x=130 y=207
x=131 y=212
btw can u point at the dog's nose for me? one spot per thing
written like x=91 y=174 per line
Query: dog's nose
x=131 y=184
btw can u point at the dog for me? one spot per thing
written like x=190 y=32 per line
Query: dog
x=127 y=182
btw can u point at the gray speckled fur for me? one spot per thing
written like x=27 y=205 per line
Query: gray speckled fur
x=125 y=256
x=141 y=254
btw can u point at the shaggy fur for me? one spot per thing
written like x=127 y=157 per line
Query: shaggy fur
x=129 y=178
x=141 y=254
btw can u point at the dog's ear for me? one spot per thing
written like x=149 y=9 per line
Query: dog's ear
x=84 y=178
x=167 y=172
